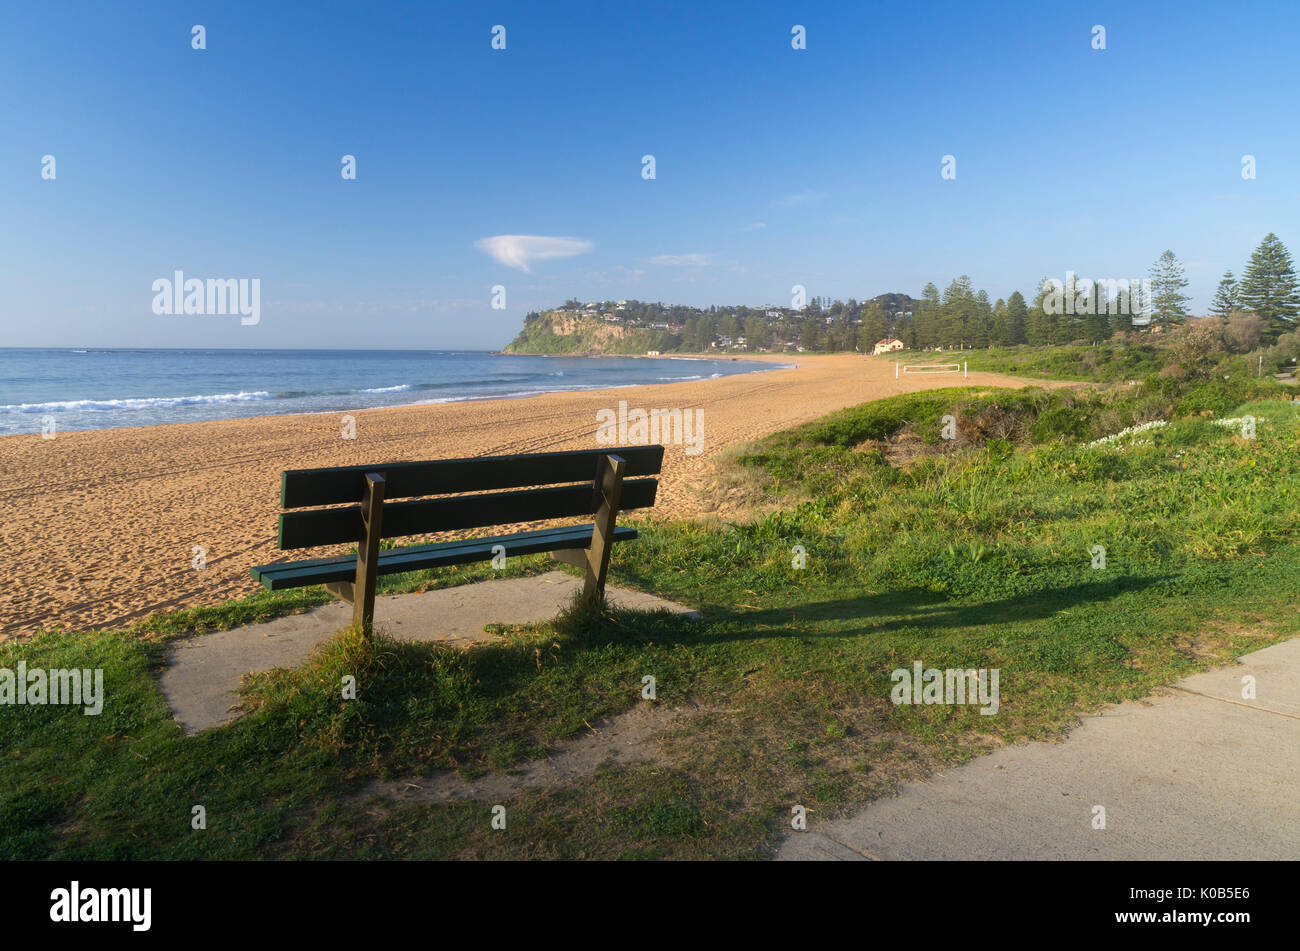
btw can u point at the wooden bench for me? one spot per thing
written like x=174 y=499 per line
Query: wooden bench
x=368 y=514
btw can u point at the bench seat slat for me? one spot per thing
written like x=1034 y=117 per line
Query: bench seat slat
x=351 y=558
x=297 y=574
x=301 y=488
x=307 y=529
x=575 y=536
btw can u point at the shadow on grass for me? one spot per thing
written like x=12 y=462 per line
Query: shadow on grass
x=926 y=609
x=422 y=704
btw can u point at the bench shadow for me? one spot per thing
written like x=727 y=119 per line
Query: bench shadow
x=916 y=608
x=502 y=668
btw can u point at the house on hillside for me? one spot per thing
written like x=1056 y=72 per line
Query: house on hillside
x=887 y=345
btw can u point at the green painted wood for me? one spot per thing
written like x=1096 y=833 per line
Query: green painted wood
x=350 y=559
x=301 y=488
x=566 y=536
x=307 y=529
x=278 y=577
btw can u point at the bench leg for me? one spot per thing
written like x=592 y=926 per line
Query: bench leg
x=609 y=487
x=372 y=515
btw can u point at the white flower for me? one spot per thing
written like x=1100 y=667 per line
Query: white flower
x=1131 y=431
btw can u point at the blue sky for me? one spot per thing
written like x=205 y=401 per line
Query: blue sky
x=774 y=166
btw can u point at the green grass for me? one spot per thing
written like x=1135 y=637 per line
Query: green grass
x=971 y=552
x=1104 y=362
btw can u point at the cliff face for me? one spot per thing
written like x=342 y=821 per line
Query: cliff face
x=559 y=331
x=565 y=324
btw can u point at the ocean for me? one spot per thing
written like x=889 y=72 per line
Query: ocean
x=72 y=389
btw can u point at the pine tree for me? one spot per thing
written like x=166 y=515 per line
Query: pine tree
x=905 y=330
x=1070 y=325
x=1096 y=324
x=875 y=326
x=1039 y=324
x=954 y=312
x=1225 y=298
x=927 y=317
x=1017 y=318
x=1167 y=283
x=1268 y=288
x=1000 y=331
x=980 y=325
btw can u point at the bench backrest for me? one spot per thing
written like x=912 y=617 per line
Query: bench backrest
x=346 y=486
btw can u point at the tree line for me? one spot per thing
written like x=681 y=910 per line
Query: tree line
x=962 y=317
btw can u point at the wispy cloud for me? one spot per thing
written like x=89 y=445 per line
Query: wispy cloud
x=521 y=250
x=682 y=260
x=756 y=226
x=807 y=197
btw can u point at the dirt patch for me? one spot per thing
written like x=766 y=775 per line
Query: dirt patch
x=631 y=737
x=904 y=449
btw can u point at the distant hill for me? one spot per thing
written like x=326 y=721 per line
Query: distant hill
x=896 y=303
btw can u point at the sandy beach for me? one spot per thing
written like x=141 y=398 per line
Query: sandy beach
x=99 y=528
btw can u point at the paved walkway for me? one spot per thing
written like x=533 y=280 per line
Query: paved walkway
x=203 y=672
x=1195 y=773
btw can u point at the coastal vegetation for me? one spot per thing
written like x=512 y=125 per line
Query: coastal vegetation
x=1262 y=307
x=975 y=551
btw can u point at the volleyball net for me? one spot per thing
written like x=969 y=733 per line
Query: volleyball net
x=930 y=368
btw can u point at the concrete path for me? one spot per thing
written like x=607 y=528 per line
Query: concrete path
x=1195 y=773
x=203 y=672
